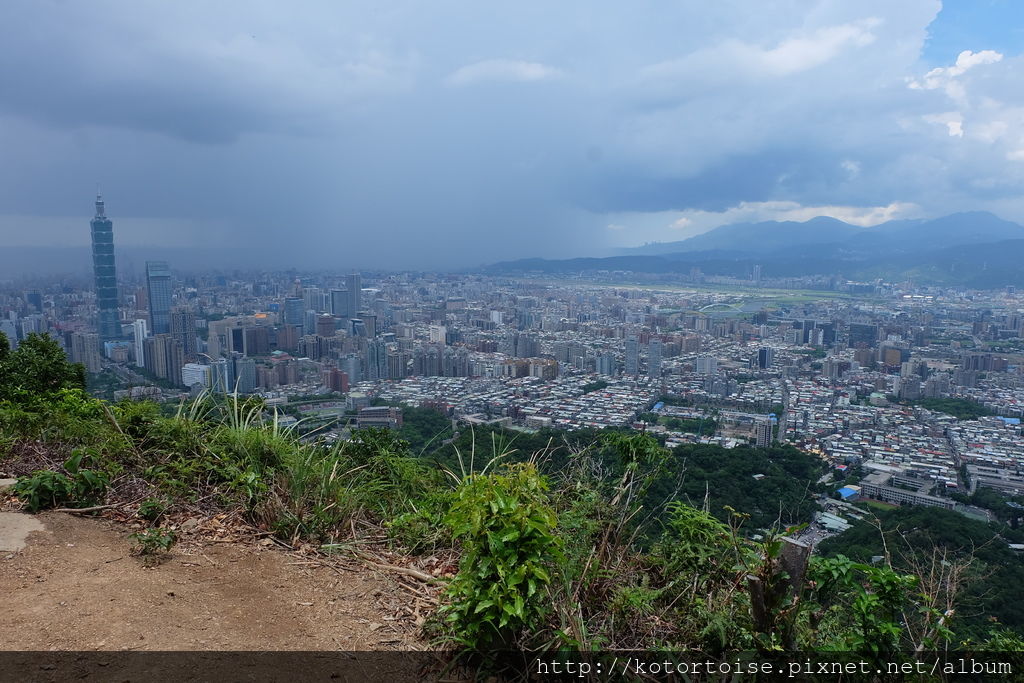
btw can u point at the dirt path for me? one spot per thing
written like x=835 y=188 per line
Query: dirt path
x=74 y=586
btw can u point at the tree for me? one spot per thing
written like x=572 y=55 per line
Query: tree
x=37 y=367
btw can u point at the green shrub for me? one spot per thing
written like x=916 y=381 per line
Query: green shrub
x=47 y=489
x=152 y=509
x=507 y=529
x=149 y=544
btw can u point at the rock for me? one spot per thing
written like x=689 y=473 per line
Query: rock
x=190 y=524
x=15 y=528
x=7 y=486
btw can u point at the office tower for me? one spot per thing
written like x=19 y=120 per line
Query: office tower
x=354 y=285
x=105 y=273
x=139 y=334
x=222 y=376
x=357 y=328
x=632 y=366
x=765 y=357
x=34 y=298
x=370 y=322
x=245 y=375
x=313 y=299
x=255 y=341
x=339 y=303
x=757 y=273
x=654 y=358
x=158 y=291
x=862 y=335
x=183 y=329
x=294 y=311
x=706 y=365
x=309 y=322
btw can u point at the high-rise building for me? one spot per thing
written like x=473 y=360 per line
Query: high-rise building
x=245 y=374
x=222 y=376
x=183 y=329
x=313 y=299
x=350 y=366
x=354 y=285
x=862 y=335
x=158 y=291
x=706 y=365
x=294 y=312
x=606 y=364
x=763 y=433
x=164 y=357
x=654 y=358
x=85 y=349
x=632 y=355
x=105 y=273
x=339 y=303
x=765 y=357
x=139 y=333
x=34 y=298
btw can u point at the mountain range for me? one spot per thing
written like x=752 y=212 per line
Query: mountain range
x=975 y=249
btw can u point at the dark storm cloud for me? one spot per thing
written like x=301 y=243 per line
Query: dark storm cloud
x=439 y=134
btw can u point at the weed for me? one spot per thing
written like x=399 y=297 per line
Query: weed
x=152 y=543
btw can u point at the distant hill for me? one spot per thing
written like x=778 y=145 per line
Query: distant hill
x=834 y=236
x=975 y=249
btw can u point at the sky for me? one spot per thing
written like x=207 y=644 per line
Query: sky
x=400 y=134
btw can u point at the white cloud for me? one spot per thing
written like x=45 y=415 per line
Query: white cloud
x=800 y=52
x=952 y=120
x=508 y=70
x=850 y=166
x=615 y=226
x=948 y=78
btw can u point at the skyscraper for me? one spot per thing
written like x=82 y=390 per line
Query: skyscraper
x=294 y=311
x=354 y=285
x=183 y=329
x=654 y=358
x=339 y=303
x=632 y=355
x=105 y=273
x=158 y=286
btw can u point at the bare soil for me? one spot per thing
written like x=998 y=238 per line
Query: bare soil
x=76 y=586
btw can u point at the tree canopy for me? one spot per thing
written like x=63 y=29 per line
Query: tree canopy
x=37 y=367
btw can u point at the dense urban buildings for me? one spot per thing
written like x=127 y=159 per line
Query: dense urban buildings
x=918 y=389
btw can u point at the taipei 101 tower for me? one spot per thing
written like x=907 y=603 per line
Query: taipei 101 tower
x=105 y=272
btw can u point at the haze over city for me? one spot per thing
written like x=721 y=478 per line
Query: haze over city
x=447 y=135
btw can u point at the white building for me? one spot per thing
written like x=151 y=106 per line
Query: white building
x=139 y=333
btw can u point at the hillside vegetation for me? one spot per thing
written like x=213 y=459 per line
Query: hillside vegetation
x=562 y=540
